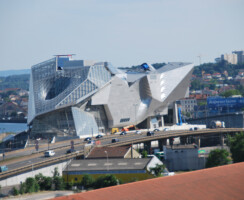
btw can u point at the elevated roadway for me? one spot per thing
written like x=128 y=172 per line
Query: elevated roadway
x=28 y=159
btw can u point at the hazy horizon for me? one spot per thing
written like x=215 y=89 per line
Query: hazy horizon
x=124 y=33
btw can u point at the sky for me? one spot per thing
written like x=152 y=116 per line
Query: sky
x=123 y=32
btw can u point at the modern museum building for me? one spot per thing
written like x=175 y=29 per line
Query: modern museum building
x=80 y=98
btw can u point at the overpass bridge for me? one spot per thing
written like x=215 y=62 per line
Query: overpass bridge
x=129 y=139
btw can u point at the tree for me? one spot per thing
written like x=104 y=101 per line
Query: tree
x=57 y=180
x=217 y=157
x=144 y=154
x=157 y=170
x=87 y=181
x=236 y=144
x=230 y=93
x=44 y=182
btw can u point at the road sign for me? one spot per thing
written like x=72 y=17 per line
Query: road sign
x=201 y=151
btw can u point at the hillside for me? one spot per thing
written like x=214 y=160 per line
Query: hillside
x=15 y=81
x=6 y=73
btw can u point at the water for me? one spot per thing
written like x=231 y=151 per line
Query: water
x=12 y=127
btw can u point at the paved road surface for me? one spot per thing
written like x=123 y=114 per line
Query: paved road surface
x=40 y=195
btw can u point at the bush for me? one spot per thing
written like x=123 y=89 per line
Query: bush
x=87 y=181
x=236 y=144
x=22 y=188
x=58 y=183
x=157 y=170
x=47 y=183
x=217 y=157
x=106 y=181
x=15 y=191
x=31 y=185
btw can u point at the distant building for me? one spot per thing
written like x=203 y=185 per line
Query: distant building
x=207 y=76
x=125 y=169
x=216 y=75
x=187 y=104
x=240 y=56
x=77 y=98
x=113 y=152
x=182 y=157
x=230 y=58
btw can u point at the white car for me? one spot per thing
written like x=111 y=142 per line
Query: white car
x=138 y=132
x=49 y=153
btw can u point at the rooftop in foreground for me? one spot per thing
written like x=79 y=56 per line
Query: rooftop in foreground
x=224 y=182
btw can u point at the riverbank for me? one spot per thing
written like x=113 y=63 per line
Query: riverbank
x=13 y=121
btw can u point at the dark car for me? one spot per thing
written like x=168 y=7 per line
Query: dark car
x=115 y=140
x=123 y=133
x=99 y=136
x=156 y=129
x=70 y=151
x=87 y=139
x=150 y=133
x=196 y=128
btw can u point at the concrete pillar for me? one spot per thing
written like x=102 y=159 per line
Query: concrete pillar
x=161 y=143
x=222 y=139
x=175 y=114
x=198 y=141
x=183 y=140
x=147 y=146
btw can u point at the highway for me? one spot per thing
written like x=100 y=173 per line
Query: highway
x=28 y=158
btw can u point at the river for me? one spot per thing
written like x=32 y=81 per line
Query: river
x=12 y=127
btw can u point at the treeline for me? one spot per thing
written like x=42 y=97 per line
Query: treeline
x=15 y=81
x=56 y=182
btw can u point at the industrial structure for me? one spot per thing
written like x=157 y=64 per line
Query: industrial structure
x=81 y=98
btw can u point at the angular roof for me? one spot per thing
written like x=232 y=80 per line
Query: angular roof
x=111 y=164
x=112 y=152
x=224 y=182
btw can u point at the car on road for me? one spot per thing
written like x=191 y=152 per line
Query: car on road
x=71 y=151
x=3 y=168
x=115 y=140
x=166 y=129
x=99 y=136
x=87 y=139
x=156 y=129
x=196 y=128
x=150 y=133
x=49 y=153
x=123 y=133
x=138 y=132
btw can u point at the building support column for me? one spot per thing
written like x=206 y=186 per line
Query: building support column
x=161 y=143
x=147 y=147
x=222 y=139
x=175 y=113
x=198 y=141
x=183 y=140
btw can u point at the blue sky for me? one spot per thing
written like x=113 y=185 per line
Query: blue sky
x=122 y=32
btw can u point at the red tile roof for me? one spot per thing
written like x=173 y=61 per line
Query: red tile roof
x=113 y=152
x=224 y=182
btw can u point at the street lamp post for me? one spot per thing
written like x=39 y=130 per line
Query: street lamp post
x=107 y=160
